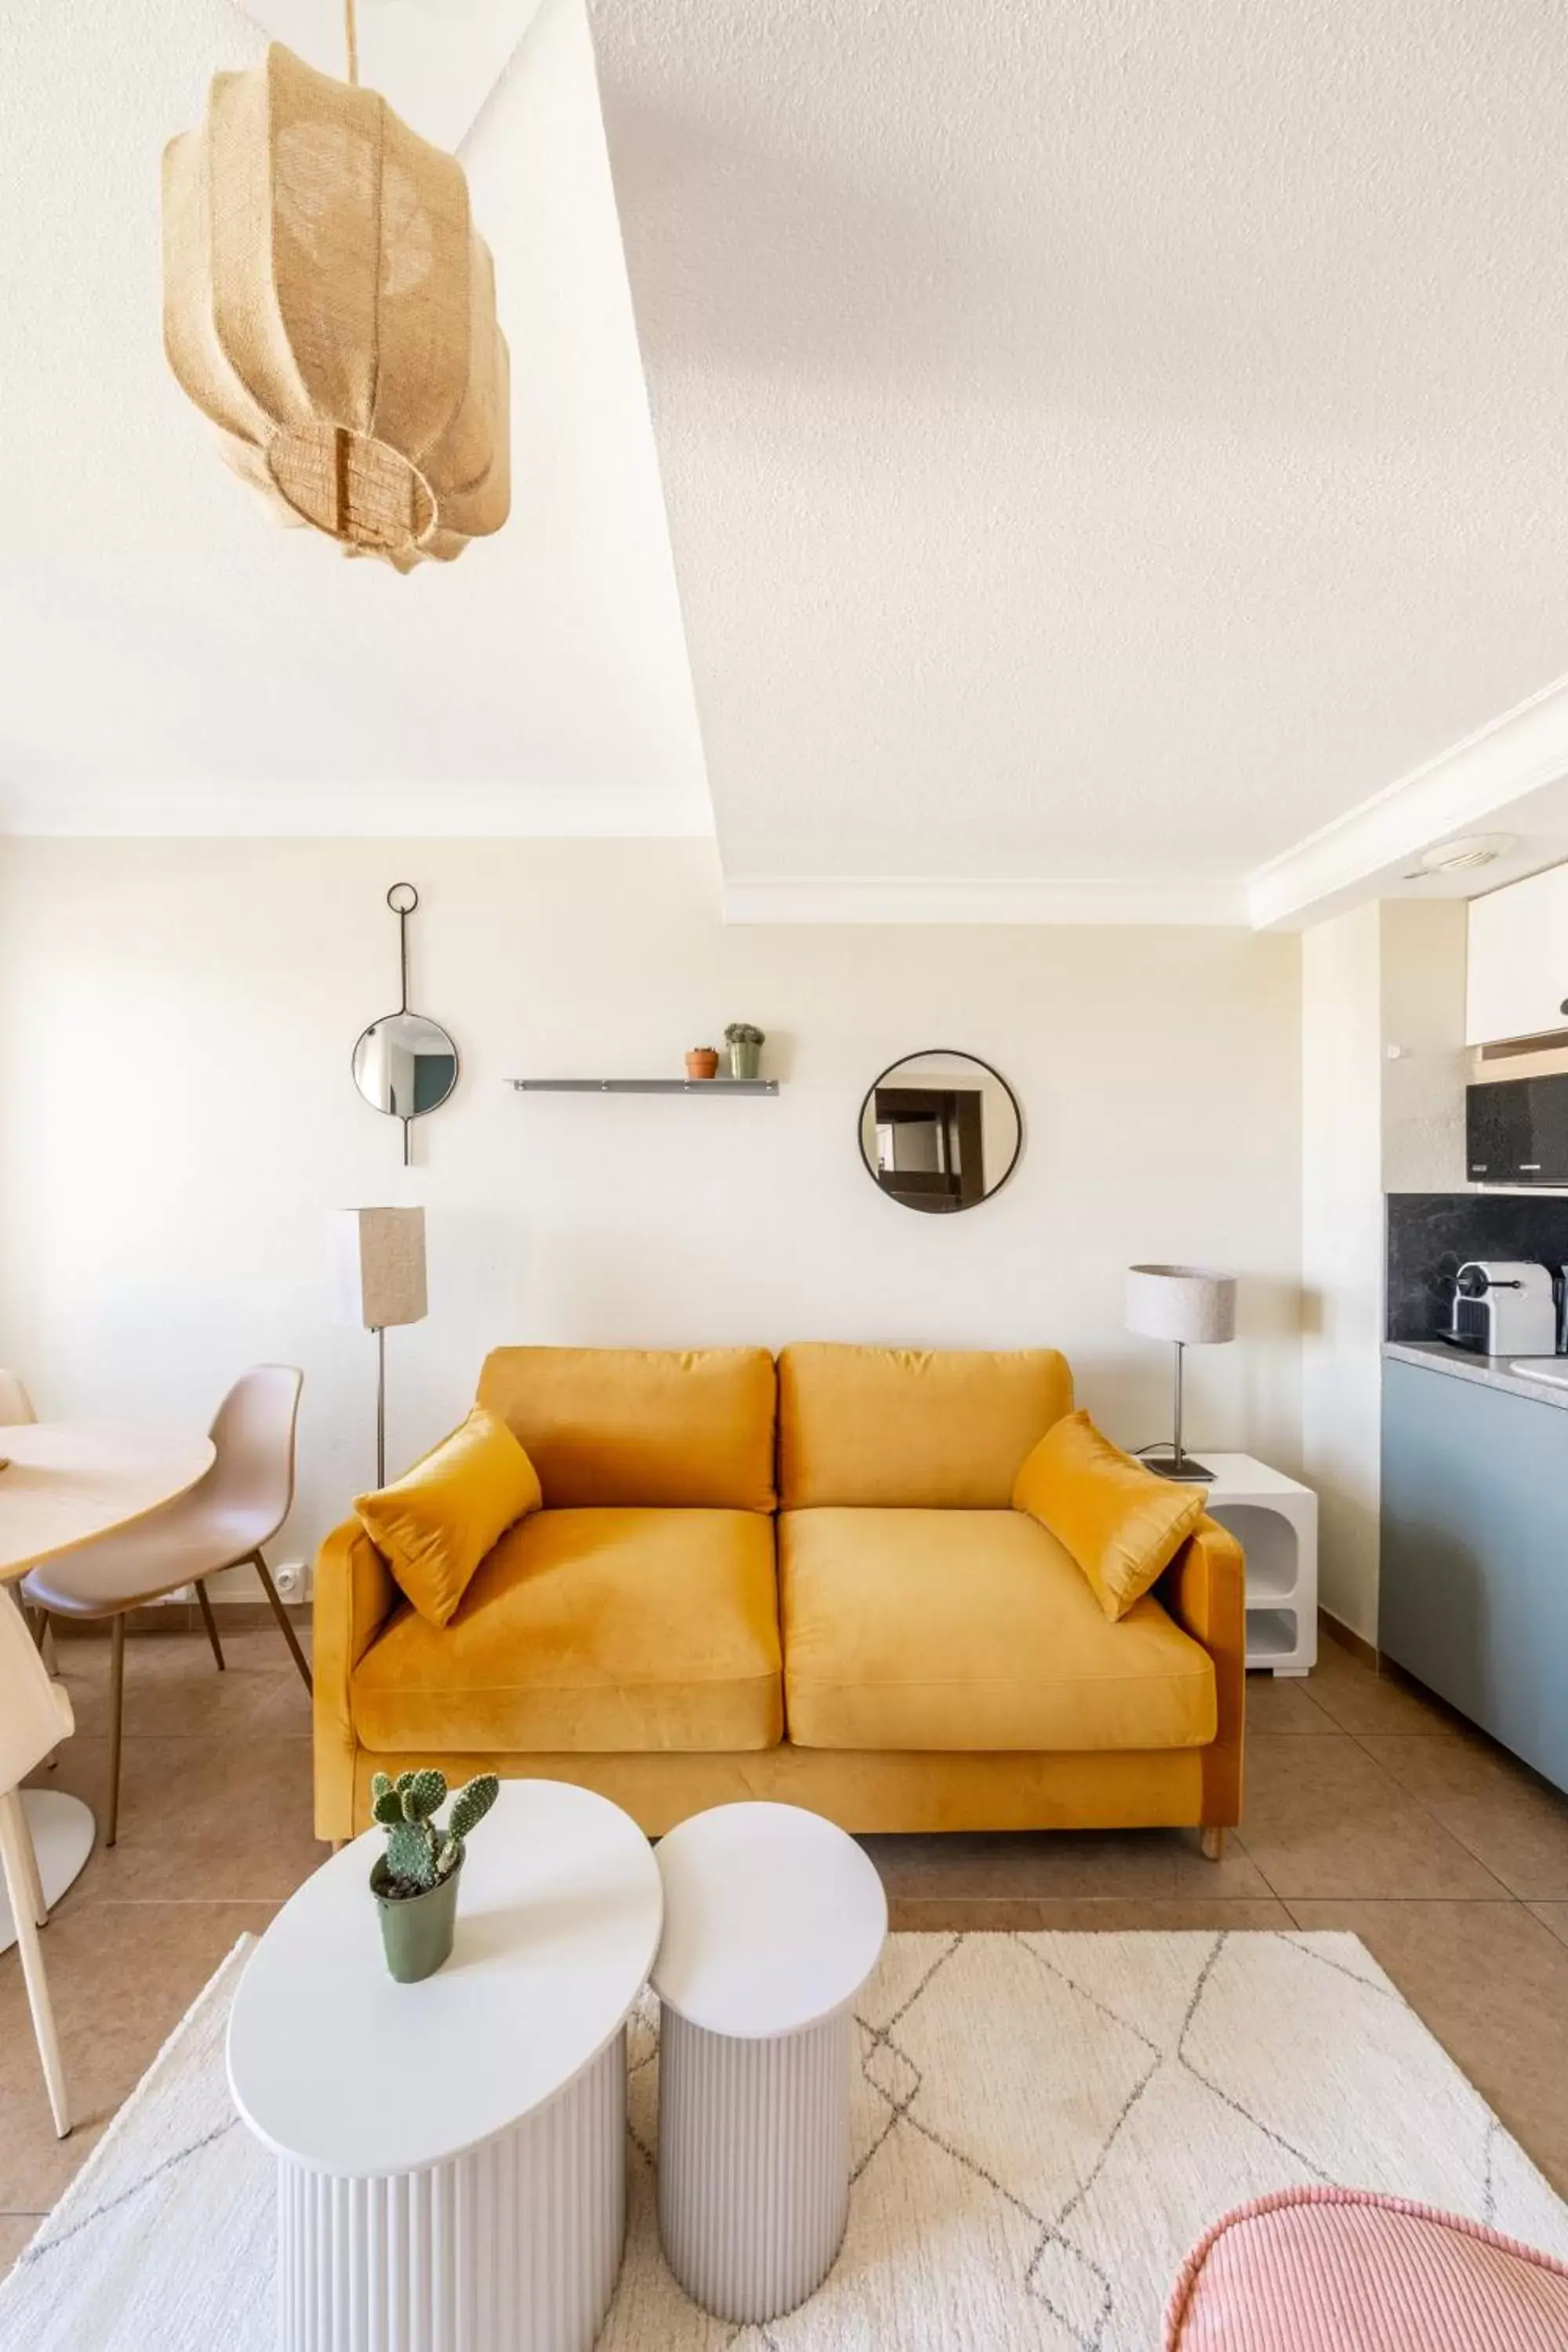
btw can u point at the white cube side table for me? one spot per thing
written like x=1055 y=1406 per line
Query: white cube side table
x=774 y=1920
x=451 y=2155
x=1275 y=1520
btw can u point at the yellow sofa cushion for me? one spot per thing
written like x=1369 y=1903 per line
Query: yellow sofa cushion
x=1121 y=1524
x=972 y=1631
x=434 y=1524
x=591 y=1630
x=604 y=1427
x=890 y=1427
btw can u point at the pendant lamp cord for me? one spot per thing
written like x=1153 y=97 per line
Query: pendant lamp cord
x=339 y=434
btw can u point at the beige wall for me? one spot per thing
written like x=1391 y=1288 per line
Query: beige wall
x=176 y=1020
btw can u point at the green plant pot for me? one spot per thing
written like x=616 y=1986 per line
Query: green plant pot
x=745 y=1060
x=416 y=1929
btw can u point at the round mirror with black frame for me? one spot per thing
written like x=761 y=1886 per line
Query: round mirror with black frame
x=940 y=1131
x=405 y=1063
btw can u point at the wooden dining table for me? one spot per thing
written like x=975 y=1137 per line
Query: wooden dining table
x=63 y=1483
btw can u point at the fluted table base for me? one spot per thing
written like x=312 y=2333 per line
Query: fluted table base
x=514 y=2247
x=753 y=2163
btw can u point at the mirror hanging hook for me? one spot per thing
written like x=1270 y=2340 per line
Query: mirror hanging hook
x=402 y=909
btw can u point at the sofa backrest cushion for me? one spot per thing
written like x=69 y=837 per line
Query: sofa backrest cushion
x=885 y=1428
x=686 y=1429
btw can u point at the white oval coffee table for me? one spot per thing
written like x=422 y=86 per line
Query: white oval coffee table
x=451 y=2155
x=773 y=1920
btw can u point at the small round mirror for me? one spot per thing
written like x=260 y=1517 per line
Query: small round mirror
x=941 y=1132
x=405 y=1065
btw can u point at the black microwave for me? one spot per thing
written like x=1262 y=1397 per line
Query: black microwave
x=1516 y=1132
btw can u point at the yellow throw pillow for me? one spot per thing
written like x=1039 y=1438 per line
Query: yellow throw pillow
x=1122 y=1525
x=436 y=1523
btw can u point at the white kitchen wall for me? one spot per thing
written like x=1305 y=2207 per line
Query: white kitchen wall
x=1382 y=1076
x=177 y=1021
x=1342 y=1254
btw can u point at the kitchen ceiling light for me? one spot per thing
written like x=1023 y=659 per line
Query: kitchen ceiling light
x=329 y=306
x=1465 y=855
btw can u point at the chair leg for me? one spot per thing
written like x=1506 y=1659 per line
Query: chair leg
x=265 y=1573
x=20 y=1865
x=115 y=1723
x=210 y=1621
x=30 y=1866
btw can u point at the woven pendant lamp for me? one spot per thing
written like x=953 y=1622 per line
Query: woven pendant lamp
x=328 y=304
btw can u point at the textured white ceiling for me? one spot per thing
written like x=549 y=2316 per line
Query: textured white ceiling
x=1108 y=439
x=1103 y=444
x=173 y=662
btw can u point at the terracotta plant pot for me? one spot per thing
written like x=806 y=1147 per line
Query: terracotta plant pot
x=417 y=1930
x=702 y=1061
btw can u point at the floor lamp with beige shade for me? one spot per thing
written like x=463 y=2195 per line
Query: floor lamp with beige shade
x=1192 y=1309
x=381 y=1281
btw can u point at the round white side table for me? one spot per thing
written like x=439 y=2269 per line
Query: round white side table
x=451 y=2155
x=774 y=1920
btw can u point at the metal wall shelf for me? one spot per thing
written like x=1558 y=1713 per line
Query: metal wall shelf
x=645 y=1086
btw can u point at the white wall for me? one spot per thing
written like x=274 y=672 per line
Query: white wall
x=1342 y=1253
x=1383 y=1081
x=177 y=1021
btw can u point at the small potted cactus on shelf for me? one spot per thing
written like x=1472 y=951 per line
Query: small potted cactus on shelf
x=414 y=1882
x=745 y=1043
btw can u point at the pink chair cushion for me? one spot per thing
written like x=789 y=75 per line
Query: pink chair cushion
x=1340 y=2270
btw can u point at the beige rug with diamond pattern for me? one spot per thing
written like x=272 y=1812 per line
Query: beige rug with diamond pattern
x=1044 y=2125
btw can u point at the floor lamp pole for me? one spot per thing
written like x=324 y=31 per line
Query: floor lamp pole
x=381 y=1407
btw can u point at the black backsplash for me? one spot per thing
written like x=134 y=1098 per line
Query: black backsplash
x=1432 y=1234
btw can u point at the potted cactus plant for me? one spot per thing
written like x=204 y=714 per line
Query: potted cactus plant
x=745 y=1044
x=414 y=1882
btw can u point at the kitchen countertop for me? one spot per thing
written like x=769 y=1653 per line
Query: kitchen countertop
x=1489 y=1371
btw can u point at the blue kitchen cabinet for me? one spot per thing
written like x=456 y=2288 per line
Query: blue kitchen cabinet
x=1473 y=1590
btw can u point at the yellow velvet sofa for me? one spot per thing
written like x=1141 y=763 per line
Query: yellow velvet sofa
x=802 y=1581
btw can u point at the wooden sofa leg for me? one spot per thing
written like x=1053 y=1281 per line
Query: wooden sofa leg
x=1213 y=1842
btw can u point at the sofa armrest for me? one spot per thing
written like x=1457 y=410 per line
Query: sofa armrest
x=354 y=1596
x=1205 y=1589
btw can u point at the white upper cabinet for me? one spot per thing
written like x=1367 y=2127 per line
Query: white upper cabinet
x=1517 y=976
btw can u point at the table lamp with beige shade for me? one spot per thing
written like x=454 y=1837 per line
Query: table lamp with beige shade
x=381 y=1281
x=1192 y=1309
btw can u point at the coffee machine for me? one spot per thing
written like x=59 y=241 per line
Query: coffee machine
x=1504 y=1307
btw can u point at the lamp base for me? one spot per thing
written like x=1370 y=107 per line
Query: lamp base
x=1165 y=1465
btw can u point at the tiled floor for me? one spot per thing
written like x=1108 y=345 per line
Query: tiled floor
x=1369 y=1807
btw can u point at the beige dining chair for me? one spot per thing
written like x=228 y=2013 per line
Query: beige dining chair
x=34 y=1716
x=17 y=1406
x=223 y=1522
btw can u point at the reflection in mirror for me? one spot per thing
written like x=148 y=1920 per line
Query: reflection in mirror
x=941 y=1132
x=405 y=1065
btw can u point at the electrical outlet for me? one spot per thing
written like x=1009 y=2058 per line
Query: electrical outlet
x=289 y=1579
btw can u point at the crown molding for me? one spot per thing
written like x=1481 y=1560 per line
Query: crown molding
x=799 y=898
x=1465 y=789
x=353 y=811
